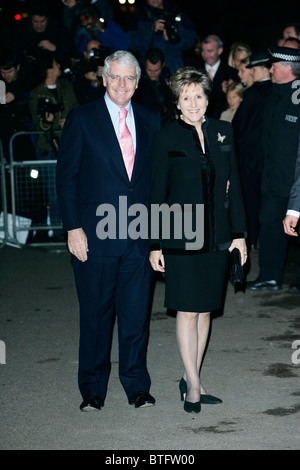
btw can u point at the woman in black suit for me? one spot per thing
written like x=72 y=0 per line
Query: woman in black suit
x=194 y=174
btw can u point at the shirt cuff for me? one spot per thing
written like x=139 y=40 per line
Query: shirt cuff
x=294 y=213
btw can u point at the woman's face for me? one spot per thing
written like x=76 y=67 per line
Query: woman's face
x=237 y=58
x=192 y=103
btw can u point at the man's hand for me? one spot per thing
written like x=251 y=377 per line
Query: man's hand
x=9 y=97
x=289 y=225
x=77 y=244
x=45 y=44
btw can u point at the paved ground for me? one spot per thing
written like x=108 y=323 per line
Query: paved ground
x=248 y=364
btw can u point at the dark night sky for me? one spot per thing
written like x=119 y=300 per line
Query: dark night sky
x=256 y=22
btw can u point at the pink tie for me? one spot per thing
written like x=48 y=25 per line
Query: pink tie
x=211 y=73
x=126 y=143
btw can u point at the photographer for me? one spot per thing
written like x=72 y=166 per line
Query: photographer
x=160 y=25
x=96 y=26
x=88 y=85
x=70 y=7
x=49 y=104
x=44 y=32
x=14 y=114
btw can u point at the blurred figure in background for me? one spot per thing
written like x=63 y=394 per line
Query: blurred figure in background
x=237 y=52
x=160 y=24
x=234 y=96
x=153 y=91
x=94 y=26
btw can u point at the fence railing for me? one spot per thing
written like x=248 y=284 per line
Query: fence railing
x=29 y=210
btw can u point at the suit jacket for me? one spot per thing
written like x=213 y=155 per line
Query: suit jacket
x=91 y=172
x=177 y=178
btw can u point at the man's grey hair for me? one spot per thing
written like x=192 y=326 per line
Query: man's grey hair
x=124 y=58
x=213 y=37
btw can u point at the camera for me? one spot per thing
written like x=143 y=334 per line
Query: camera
x=83 y=65
x=172 y=21
x=46 y=106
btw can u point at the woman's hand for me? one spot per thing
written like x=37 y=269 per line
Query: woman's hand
x=157 y=261
x=240 y=244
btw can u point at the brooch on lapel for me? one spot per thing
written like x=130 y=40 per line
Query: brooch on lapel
x=221 y=137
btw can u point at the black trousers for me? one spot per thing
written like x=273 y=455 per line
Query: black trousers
x=272 y=239
x=109 y=286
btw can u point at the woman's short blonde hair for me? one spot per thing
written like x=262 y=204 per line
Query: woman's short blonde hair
x=188 y=76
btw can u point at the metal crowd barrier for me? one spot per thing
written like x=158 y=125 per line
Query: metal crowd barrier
x=31 y=217
x=3 y=201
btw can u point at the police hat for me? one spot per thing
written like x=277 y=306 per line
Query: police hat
x=284 y=54
x=258 y=58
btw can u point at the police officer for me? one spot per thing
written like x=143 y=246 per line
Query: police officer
x=247 y=124
x=281 y=126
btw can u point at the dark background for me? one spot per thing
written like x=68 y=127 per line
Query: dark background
x=257 y=22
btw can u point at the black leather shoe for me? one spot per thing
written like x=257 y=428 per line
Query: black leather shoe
x=263 y=285
x=190 y=407
x=141 y=400
x=295 y=288
x=93 y=403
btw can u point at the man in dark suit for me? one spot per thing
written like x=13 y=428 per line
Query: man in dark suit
x=220 y=73
x=112 y=270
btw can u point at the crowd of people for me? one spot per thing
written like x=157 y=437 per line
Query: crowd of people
x=229 y=132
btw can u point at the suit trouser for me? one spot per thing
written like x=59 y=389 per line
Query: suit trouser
x=272 y=239
x=109 y=285
x=250 y=181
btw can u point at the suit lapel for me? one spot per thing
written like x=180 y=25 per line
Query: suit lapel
x=141 y=141
x=108 y=135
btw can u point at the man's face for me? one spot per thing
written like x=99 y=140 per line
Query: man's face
x=211 y=53
x=280 y=73
x=88 y=22
x=153 y=70
x=155 y=3
x=39 y=23
x=120 y=83
x=91 y=45
x=9 y=75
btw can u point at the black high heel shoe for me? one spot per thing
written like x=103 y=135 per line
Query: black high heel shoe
x=205 y=398
x=190 y=407
x=182 y=389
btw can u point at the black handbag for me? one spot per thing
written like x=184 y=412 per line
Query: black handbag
x=236 y=272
